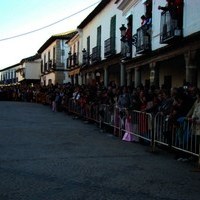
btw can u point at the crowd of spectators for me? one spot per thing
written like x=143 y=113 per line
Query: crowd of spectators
x=174 y=103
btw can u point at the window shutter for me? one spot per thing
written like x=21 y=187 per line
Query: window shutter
x=113 y=31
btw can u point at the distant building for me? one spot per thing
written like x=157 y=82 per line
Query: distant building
x=54 y=59
x=29 y=70
x=8 y=75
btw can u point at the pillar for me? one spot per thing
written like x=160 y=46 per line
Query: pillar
x=191 y=67
x=122 y=74
x=154 y=74
x=129 y=78
x=105 y=77
x=137 y=77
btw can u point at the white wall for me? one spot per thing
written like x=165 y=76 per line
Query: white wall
x=48 y=49
x=63 y=46
x=156 y=17
x=103 y=20
x=191 y=21
x=32 y=69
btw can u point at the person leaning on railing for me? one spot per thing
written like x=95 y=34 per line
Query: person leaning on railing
x=172 y=8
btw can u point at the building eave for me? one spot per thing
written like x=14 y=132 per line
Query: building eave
x=61 y=36
x=10 y=67
x=94 y=13
x=30 y=59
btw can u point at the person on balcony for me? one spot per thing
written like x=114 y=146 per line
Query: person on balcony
x=128 y=38
x=172 y=8
x=146 y=24
x=144 y=20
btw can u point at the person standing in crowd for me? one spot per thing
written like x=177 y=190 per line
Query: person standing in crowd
x=194 y=115
x=124 y=101
x=124 y=98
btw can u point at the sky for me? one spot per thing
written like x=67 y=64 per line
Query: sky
x=19 y=17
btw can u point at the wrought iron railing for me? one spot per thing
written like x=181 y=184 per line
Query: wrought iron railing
x=96 y=54
x=109 y=47
x=169 y=28
x=143 y=42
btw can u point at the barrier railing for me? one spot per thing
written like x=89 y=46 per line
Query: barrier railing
x=142 y=125
x=180 y=134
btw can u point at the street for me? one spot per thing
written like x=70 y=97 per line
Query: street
x=49 y=155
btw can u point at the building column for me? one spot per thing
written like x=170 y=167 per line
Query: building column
x=87 y=78
x=93 y=78
x=83 y=78
x=129 y=77
x=105 y=77
x=154 y=74
x=80 y=79
x=191 y=67
x=122 y=74
x=137 y=77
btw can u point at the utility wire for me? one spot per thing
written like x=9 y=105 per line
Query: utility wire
x=44 y=27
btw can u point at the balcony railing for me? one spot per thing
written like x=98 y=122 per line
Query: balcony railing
x=96 y=54
x=69 y=61
x=109 y=47
x=169 y=29
x=53 y=65
x=86 y=58
x=143 y=43
x=72 y=60
x=45 y=66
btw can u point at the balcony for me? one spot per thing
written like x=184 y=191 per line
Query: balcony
x=109 y=47
x=85 y=58
x=169 y=29
x=72 y=60
x=69 y=61
x=53 y=65
x=143 y=39
x=96 y=52
x=45 y=67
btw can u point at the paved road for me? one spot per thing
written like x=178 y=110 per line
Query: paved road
x=50 y=156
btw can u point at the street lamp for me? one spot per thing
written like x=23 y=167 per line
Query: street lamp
x=83 y=51
x=123 y=30
x=69 y=59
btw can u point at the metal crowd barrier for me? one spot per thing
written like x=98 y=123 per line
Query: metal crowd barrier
x=151 y=130
x=179 y=135
x=142 y=125
x=141 y=122
x=86 y=111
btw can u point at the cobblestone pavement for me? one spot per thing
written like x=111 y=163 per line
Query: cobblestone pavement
x=50 y=156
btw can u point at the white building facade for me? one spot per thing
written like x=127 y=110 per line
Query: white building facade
x=8 y=75
x=54 y=59
x=99 y=46
x=168 y=54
